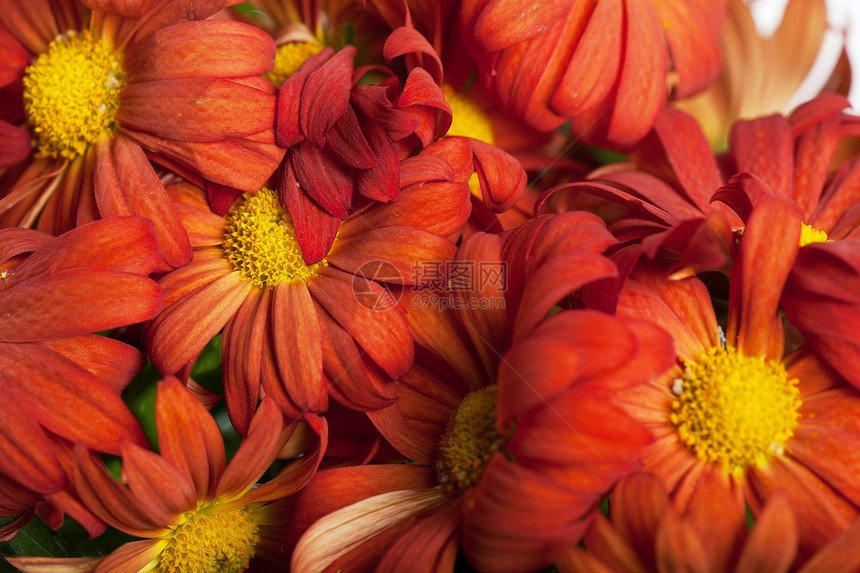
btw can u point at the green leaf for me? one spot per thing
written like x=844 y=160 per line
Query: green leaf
x=36 y=539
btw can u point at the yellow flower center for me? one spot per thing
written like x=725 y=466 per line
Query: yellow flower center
x=211 y=541
x=70 y=94
x=469 y=441
x=467 y=120
x=260 y=241
x=734 y=410
x=289 y=58
x=809 y=234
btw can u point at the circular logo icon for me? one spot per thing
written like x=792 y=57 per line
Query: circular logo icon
x=371 y=288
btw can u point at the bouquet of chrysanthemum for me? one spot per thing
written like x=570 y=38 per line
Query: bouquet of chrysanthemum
x=425 y=285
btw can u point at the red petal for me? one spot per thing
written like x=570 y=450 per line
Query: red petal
x=433 y=542
x=115 y=362
x=243 y=163
x=14 y=143
x=765 y=148
x=356 y=380
x=504 y=23
x=501 y=176
x=125 y=8
x=693 y=40
x=118 y=243
x=767 y=251
x=348 y=143
x=13 y=58
x=289 y=131
x=162 y=490
x=594 y=64
x=641 y=92
x=408 y=41
x=182 y=330
x=26 y=452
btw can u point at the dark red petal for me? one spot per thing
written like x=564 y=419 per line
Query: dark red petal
x=348 y=143
x=325 y=96
x=325 y=179
x=289 y=130
x=14 y=144
x=315 y=228
x=501 y=175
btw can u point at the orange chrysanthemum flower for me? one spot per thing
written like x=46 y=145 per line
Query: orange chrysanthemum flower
x=513 y=452
x=197 y=512
x=646 y=532
x=585 y=61
x=740 y=408
x=110 y=88
x=304 y=330
x=58 y=382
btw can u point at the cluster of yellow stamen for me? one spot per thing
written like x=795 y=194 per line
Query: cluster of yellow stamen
x=809 y=234
x=734 y=410
x=289 y=58
x=209 y=541
x=467 y=120
x=260 y=241
x=71 y=94
x=469 y=441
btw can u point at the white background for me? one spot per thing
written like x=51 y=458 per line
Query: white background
x=843 y=18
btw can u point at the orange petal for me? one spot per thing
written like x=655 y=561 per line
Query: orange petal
x=65 y=398
x=76 y=301
x=196 y=109
x=201 y=49
x=189 y=437
x=242 y=355
x=295 y=336
x=161 y=490
x=126 y=184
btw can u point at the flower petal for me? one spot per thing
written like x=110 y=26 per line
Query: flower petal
x=295 y=336
x=76 y=301
x=189 y=437
x=198 y=49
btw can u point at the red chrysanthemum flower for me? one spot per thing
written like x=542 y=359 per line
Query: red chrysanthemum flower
x=111 y=87
x=646 y=532
x=344 y=140
x=510 y=464
x=304 y=330
x=587 y=61
x=196 y=511
x=58 y=382
x=741 y=409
